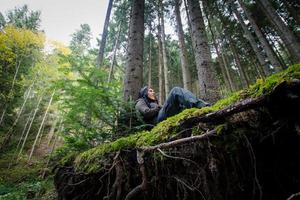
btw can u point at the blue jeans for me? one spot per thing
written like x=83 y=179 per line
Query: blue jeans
x=178 y=100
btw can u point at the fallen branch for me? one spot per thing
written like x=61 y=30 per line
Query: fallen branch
x=179 y=141
x=293 y=195
x=229 y=110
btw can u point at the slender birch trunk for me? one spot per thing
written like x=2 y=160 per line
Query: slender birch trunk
x=3 y=114
x=104 y=34
x=40 y=128
x=186 y=74
x=31 y=122
x=290 y=40
x=10 y=91
x=164 y=49
x=265 y=45
x=14 y=157
x=9 y=133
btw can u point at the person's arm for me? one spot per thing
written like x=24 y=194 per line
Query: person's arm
x=147 y=112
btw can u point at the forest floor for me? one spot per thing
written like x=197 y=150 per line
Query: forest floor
x=22 y=179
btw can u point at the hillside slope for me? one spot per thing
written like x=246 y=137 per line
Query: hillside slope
x=243 y=147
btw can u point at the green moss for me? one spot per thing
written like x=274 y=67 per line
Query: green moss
x=93 y=159
x=265 y=86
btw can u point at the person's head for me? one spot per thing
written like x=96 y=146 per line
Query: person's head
x=147 y=92
x=151 y=94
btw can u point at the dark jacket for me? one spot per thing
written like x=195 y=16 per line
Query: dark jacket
x=146 y=107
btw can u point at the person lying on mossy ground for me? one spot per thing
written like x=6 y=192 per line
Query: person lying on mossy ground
x=178 y=99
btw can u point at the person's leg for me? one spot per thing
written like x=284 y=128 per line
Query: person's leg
x=178 y=100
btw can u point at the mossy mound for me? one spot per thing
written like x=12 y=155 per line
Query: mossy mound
x=246 y=148
x=91 y=160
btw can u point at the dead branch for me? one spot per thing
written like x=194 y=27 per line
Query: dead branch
x=229 y=110
x=179 y=141
x=293 y=195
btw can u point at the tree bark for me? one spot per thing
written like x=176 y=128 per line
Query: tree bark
x=186 y=74
x=220 y=60
x=252 y=42
x=290 y=40
x=134 y=66
x=164 y=49
x=291 y=9
x=265 y=45
x=104 y=34
x=206 y=75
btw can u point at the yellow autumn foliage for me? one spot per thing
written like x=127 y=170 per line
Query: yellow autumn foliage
x=17 y=42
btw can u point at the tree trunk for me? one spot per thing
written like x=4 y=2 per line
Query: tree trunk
x=40 y=128
x=6 y=140
x=112 y=62
x=10 y=91
x=134 y=66
x=252 y=42
x=244 y=77
x=220 y=60
x=14 y=157
x=164 y=50
x=29 y=127
x=206 y=75
x=104 y=34
x=265 y=45
x=3 y=114
x=150 y=58
x=186 y=75
x=231 y=83
x=290 y=40
x=160 y=64
x=291 y=9
x=189 y=24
